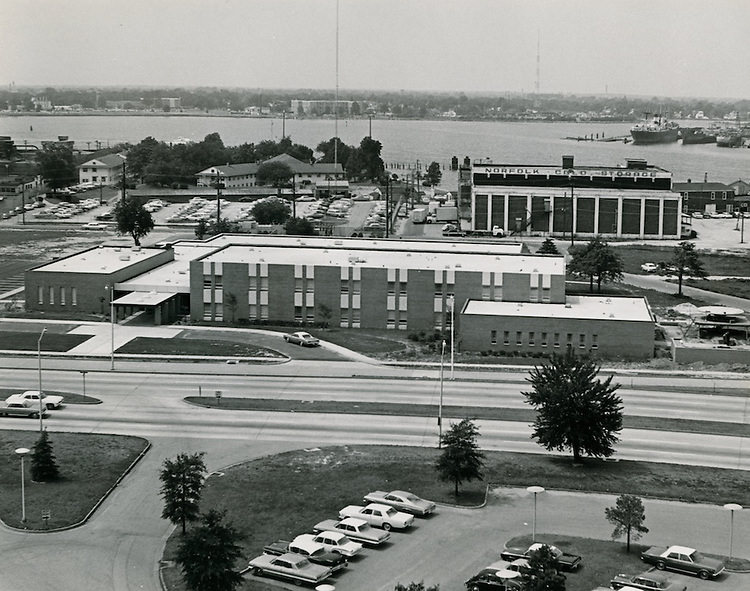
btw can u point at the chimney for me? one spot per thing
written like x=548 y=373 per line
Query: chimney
x=567 y=161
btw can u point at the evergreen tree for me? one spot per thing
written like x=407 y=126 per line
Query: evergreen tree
x=182 y=485
x=548 y=247
x=686 y=262
x=461 y=459
x=43 y=465
x=208 y=553
x=575 y=410
x=542 y=573
x=627 y=516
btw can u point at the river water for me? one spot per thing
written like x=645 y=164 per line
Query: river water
x=404 y=141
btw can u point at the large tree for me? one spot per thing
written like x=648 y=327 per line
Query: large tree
x=58 y=167
x=299 y=227
x=373 y=163
x=275 y=174
x=685 y=261
x=461 y=459
x=181 y=487
x=139 y=157
x=575 y=410
x=43 y=465
x=541 y=573
x=433 y=175
x=597 y=261
x=132 y=218
x=627 y=516
x=271 y=211
x=208 y=554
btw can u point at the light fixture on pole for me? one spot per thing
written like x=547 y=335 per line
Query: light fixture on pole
x=536 y=490
x=39 y=364
x=111 y=290
x=22 y=451
x=731 y=507
x=453 y=330
x=440 y=403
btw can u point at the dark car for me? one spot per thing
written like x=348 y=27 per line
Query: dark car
x=648 y=581
x=306 y=545
x=683 y=559
x=565 y=561
x=490 y=579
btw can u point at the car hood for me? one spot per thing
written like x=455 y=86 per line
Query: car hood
x=712 y=563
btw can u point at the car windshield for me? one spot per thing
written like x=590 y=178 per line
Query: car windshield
x=413 y=498
x=391 y=511
x=696 y=557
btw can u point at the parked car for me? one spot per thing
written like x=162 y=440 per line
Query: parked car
x=648 y=581
x=378 y=515
x=402 y=501
x=49 y=401
x=305 y=545
x=492 y=579
x=21 y=408
x=683 y=559
x=338 y=542
x=568 y=562
x=292 y=567
x=303 y=339
x=649 y=267
x=95 y=226
x=106 y=216
x=355 y=529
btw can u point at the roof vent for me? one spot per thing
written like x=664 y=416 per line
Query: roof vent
x=124 y=257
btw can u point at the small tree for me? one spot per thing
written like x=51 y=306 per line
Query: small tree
x=415 y=587
x=271 y=211
x=542 y=573
x=433 y=175
x=324 y=313
x=201 y=229
x=132 y=218
x=686 y=262
x=231 y=303
x=208 y=553
x=299 y=227
x=461 y=459
x=182 y=484
x=548 y=247
x=43 y=465
x=575 y=410
x=627 y=516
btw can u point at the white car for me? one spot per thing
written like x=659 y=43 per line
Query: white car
x=49 y=401
x=94 y=226
x=649 y=267
x=378 y=515
x=334 y=541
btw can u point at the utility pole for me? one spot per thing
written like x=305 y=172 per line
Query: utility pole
x=218 y=198
x=23 y=201
x=123 y=182
x=387 y=206
x=294 y=195
x=100 y=192
x=283 y=124
x=370 y=116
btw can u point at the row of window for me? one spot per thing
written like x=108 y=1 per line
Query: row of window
x=61 y=292
x=532 y=339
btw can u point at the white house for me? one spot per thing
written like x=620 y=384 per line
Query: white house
x=106 y=170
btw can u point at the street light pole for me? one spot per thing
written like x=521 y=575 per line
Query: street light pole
x=111 y=290
x=536 y=490
x=39 y=363
x=22 y=451
x=731 y=507
x=453 y=330
x=440 y=404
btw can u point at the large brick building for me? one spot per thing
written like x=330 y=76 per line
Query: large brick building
x=633 y=201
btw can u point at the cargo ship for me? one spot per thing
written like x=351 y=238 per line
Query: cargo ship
x=729 y=138
x=697 y=135
x=656 y=131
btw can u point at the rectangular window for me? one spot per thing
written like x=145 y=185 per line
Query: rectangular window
x=486 y=293
x=357 y=287
x=298 y=285
x=439 y=290
x=493 y=337
x=62 y=296
x=531 y=339
x=713 y=195
x=402 y=288
x=344 y=286
x=264 y=283
x=217 y=281
x=298 y=313
x=570 y=339
x=207 y=311
x=391 y=288
x=252 y=283
x=206 y=282
x=557 y=340
x=506 y=337
x=40 y=294
x=51 y=295
x=594 y=341
x=355 y=316
x=544 y=339
x=519 y=342
x=581 y=341
x=74 y=296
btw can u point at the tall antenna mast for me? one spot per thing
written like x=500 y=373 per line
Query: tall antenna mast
x=336 y=106
x=536 y=85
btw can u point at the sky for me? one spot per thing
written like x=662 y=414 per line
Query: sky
x=674 y=48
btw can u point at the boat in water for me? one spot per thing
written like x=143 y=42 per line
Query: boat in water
x=729 y=138
x=697 y=135
x=655 y=131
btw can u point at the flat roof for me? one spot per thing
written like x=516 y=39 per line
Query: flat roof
x=575 y=307
x=172 y=277
x=102 y=259
x=387 y=259
x=143 y=298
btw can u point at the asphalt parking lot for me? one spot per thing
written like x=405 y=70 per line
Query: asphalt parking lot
x=455 y=543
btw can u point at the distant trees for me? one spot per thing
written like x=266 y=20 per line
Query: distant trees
x=181 y=487
x=271 y=211
x=58 y=168
x=684 y=261
x=575 y=410
x=433 y=175
x=43 y=465
x=359 y=163
x=208 y=554
x=132 y=218
x=461 y=459
x=548 y=247
x=597 y=261
x=627 y=516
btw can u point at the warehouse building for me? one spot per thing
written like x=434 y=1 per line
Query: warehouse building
x=631 y=201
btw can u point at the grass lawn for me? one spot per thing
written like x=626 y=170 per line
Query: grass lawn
x=427 y=410
x=634 y=255
x=51 y=342
x=283 y=495
x=362 y=340
x=739 y=288
x=217 y=347
x=85 y=477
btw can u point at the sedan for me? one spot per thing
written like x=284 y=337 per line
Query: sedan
x=334 y=541
x=402 y=501
x=303 y=339
x=50 y=401
x=292 y=567
x=647 y=581
x=650 y=267
x=377 y=515
x=355 y=529
x=21 y=409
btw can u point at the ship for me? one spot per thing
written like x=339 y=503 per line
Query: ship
x=656 y=131
x=697 y=135
x=729 y=138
